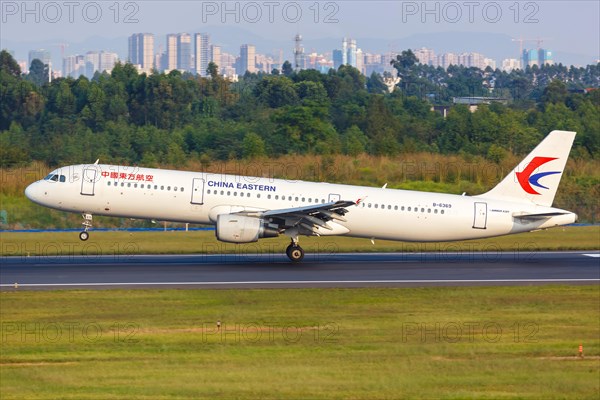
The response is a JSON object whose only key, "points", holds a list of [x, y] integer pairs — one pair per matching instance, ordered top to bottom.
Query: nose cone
{"points": [[33, 192]]}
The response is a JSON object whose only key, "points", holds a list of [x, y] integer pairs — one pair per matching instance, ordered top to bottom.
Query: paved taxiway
{"points": [[317, 270]]}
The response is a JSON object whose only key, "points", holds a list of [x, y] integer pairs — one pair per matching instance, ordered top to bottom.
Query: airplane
{"points": [[245, 209]]}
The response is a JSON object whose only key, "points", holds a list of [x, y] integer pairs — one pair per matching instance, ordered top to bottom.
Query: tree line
{"points": [[158, 118]]}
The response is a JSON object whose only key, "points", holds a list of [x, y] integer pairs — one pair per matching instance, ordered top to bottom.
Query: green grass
{"points": [[170, 242], [310, 343]]}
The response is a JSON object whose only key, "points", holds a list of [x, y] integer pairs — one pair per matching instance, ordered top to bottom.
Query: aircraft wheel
{"points": [[83, 236], [295, 253]]}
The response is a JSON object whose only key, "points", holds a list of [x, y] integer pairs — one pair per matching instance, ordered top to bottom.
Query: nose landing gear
{"points": [[87, 224]]}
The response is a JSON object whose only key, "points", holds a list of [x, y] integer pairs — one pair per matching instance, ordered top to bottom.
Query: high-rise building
{"points": [[141, 51], [344, 51], [184, 52], [201, 53], [351, 53], [43, 55], [215, 55], [425, 56], [545, 57], [338, 58], [530, 58], [247, 59], [447, 59], [107, 61], [360, 61], [92, 63], [171, 63], [510, 63], [74, 66]]}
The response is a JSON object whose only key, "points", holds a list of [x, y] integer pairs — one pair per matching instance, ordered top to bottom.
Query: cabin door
{"points": [[88, 182], [198, 191], [480, 219]]}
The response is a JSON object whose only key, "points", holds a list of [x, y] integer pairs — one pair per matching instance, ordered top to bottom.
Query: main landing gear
{"points": [[87, 224], [294, 251]]}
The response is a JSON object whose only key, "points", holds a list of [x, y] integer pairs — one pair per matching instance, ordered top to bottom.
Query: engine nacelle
{"points": [[241, 229]]}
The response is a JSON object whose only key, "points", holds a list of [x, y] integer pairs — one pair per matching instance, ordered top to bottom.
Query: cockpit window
{"points": [[56, 178]]}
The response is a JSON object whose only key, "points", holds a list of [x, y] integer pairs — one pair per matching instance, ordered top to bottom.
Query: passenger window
{"points": [[63, 178], [108, 183], [122, 184], [129, 184], [135, 185], [162, 187], [168, 187], [175, 188], [181, 189], [222, 192], [235, 194], [258, 196], [268, 196], [276, 197], [296, 198], [304, 200], [376, 205], [395, 207], [408, 208], [442, 211]]}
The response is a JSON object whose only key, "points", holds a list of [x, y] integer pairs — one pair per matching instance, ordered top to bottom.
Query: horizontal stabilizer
{"points": [[524, 215]]}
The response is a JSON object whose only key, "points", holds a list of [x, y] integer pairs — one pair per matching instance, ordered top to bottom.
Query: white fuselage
{"points": [[197, 197]]}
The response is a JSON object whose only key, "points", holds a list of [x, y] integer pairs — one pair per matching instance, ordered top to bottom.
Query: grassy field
{"points": [[170, 242], [463, 342]]}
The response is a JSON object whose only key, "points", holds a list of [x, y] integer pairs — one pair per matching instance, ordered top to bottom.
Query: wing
{"points": [[307, 219]]}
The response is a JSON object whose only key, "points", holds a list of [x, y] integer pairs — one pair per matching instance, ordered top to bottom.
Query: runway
{"points": [[317, 270]]}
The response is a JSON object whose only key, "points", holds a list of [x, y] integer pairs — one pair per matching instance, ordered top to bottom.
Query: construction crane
{"points": [[538, 41], [62, 46]]}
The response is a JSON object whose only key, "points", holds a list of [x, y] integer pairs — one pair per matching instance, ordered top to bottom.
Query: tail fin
{"points": [[548, 161]]}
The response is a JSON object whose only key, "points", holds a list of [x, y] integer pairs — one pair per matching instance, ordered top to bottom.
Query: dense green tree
{"points": [[9, 65], [287, 69], [38, 73]]}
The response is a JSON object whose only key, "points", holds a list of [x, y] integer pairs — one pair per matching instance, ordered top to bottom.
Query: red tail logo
{"points": [[526, 179]]}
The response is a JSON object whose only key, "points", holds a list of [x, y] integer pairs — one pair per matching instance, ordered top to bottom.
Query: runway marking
{"points": [[595, 255], [221, 283]]}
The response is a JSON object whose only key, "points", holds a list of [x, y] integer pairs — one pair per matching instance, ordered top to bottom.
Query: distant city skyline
{"points": [[569, 27], [147, 55]]}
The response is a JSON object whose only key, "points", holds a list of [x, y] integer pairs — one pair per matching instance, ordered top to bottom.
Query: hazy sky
{"points": [[572, 26]]}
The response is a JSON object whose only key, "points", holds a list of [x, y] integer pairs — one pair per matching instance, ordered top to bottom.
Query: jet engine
{"points": [[234, 228]]}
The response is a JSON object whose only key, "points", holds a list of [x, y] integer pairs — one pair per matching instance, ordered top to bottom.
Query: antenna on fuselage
{"points": [[96, 163]]}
